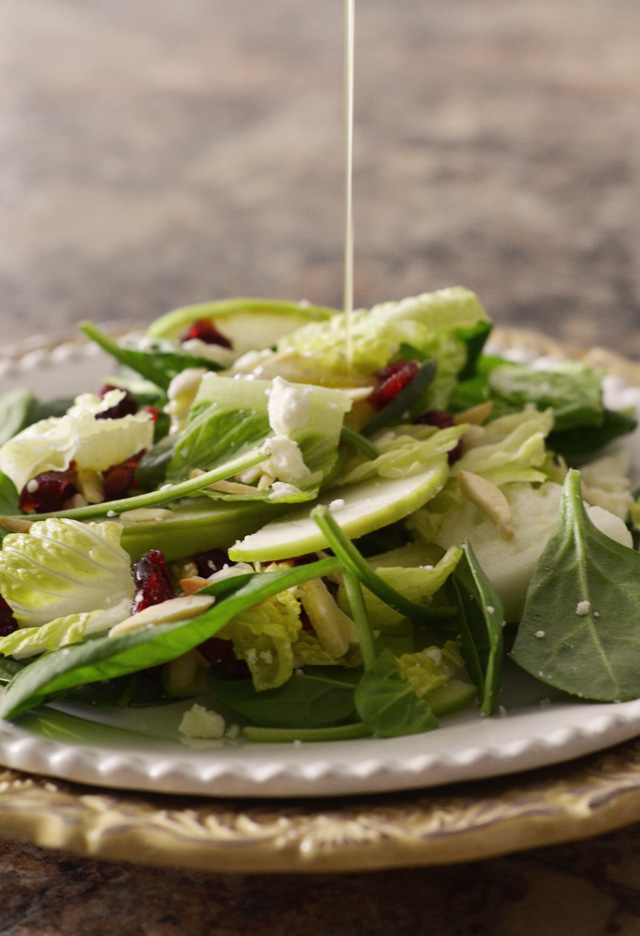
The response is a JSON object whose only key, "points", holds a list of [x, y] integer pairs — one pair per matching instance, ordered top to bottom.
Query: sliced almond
{"points": [[475, 415], [472, 436], [90, 485], [231, 487], [488, 498], [146, 515], [15, 524], [192, 584], [167, 612], [334, 629]]}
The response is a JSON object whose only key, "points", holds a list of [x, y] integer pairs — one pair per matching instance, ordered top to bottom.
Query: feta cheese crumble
{"points": [[288, 407], [583, 607], [199, 722]]}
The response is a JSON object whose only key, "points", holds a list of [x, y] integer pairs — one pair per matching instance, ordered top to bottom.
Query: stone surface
{"points": [[157, 154]]}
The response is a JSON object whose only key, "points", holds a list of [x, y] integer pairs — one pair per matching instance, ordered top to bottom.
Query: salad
{"points": [[315, 545]]}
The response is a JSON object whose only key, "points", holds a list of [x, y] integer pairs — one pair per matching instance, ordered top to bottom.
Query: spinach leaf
{"points": [[475, 338], [159, 363], [572, 391], [14, 413], [577, 443], [481, 622], [580, 628], [110, 657], [9, 668], [319, 696], [388, 704]]}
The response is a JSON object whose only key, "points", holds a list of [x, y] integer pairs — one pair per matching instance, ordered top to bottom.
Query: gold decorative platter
{"points": [[399, 826]]}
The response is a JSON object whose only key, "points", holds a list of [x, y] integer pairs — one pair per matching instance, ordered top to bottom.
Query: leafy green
{"points": [[432, 325], [159, 361], [571, 390], [233, 416], [584, 440], [96, 444], [511, 448], [358, 565], [61, 568], [416, 582], [481, 619], [580, 628], [62, 631], [264, 636], [111, 657], [313, 698], [388, 704]]}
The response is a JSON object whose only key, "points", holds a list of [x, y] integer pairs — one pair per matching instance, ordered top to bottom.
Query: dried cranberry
{"points": [[205, 330], [390, 380], [127, 406], [434, 417], [442, 420], [119, 479], [49, 491], [211, 561], [152, 579], [8, 623], [219, 654]]}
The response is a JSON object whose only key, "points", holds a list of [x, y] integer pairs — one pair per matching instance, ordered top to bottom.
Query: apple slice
{"points": [[357, 508]]}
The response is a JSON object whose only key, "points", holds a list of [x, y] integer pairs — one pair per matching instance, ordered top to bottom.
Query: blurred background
{"points": [[155, 154]]}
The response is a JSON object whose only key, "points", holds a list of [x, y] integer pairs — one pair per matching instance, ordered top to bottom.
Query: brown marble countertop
{"points": [[156, 154]]}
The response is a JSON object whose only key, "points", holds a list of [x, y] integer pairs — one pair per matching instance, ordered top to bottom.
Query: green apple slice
{"points": [[247, 323], [359, 509]]}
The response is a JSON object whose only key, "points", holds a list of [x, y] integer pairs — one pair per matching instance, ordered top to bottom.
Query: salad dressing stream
{"points": [[349, 22]]}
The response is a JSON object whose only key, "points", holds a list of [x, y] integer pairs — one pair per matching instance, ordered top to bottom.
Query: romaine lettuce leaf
{"points": [[431, 325], [230, 417], [97, 444], [511, 448], [403, 452], [62, 567], [416, 582], [71, 629], [263, 636], [431, 668]]}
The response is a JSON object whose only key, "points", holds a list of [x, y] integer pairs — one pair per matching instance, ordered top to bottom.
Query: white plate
{"points": [[141, 749]]}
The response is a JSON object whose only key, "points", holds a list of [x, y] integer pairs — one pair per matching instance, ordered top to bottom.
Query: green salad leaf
{"points": [[62, 567], [481, 620], [580, 628], [111, 657], [387, 702]]}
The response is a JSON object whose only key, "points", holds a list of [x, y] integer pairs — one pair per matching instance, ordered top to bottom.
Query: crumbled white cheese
{"points": [[288, 407], [286, 462], [280, 490], [336, 504], [583, 607], [539, 634], [435, 654], [199, 722]]}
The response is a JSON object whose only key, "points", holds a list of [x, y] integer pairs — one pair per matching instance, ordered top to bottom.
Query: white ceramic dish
{"points": [[141, 749]]}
